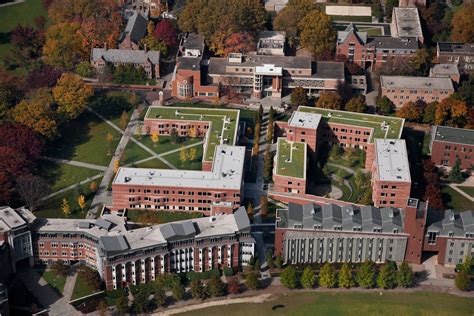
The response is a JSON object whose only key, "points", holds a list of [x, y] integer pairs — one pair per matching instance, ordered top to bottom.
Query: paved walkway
{"points": [[11, 3], [75, 163], [347, 169], [455, 188], [62, 307]]}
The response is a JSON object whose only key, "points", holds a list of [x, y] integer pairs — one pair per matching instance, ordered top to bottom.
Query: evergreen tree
{"points": [[456, 175], [269, 259], [279, 262], [257, 265], [405, 275], [327, 276], [288, 277], [365, 277], [307, 278], [386, 278], [346, 279], [251, 280], [462, 281], [216, 287], [178, 290], [197, 290], [122, 305]]}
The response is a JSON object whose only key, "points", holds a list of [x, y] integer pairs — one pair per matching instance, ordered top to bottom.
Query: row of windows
{"points": [[463, 149]]}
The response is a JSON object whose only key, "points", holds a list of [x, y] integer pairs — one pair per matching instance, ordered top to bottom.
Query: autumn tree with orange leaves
{"points": [[239, 43], [451, 112]]}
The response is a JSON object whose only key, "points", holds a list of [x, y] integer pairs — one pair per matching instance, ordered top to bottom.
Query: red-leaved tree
{"points": [[166, 32], [239, 43], [46, 76], [20, 138], [432, 188]]}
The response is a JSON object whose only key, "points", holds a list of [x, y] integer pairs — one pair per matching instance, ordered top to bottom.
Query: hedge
{"points": [[191, 275]]}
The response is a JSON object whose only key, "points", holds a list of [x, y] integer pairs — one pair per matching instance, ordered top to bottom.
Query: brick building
{"points": [[406, 24], [134, 31], [460, 54], [446, 71], [402, 89], [449, 143], [289, 167], [391, 180], [128, 257]]}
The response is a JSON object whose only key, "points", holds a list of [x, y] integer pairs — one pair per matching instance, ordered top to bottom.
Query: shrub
{"points": [[228, 271], [206, 275], [366, 275], [405, 275], [327, 276], [288, 277], [307, 278], [386, 278], [346, 279], [251, 280], [462, 281], [233, 286], [216, 287], [197, 290]]}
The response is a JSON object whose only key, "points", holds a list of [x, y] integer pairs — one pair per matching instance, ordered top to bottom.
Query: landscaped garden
{"points": [[291, 160], [349, 303]]}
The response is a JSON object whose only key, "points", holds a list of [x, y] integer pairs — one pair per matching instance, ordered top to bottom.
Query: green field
{"points": [[10, 16], [360, 119], [217, 128], [164, 143], [133, 153], [291, 159], [153, 163], [195, 164], [60, 176], [468, 190], [454, 200], [52, 207], [161, 217], [57, 282], [81, 289], [352, 303]]}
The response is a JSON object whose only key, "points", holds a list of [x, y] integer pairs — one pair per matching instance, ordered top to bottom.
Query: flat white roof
{"points": [[408, 22], [444, 69], [269, 70], [407, 82], [305, 119], [392, 160], [227, 172], [10, 219]]}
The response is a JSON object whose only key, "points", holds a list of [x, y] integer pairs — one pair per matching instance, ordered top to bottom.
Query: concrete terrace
{"points": [[223, 124], [392, 130], [291, 159]]}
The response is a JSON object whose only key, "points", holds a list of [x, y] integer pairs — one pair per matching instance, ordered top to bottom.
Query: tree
{"points": [[389, 5], [290, 16], [463, 25], [166, 32], [317, 34], [153, 43], [239, 43], [62, 48], [421, 62], [85, 69], [129, 74], [45, 76], [10, 91], [71, 95], [299, 96], [329, 100], [356, 104], [385, 105], [411, 112], [451, 112], [36, 113], [429, 113], [124, 120], [193, 133], [173, 136], [21, 138], [109, 138], [155, 138], [335, 152], [192, 154], [183, 155], [13, 162], [116, 165], [456, 174], [93, 186], [31, 189], [81, 201], [264, 206], [65, 208], [250, 210], [269, 259], [279, 262], [256, 265], [405, 275], [327, 276], [288, 277], [365, 277], [308, 278], [386, 278], [346, 279], [251, 280], [462, 281], [233, 286], [216, 287], [178, 290], [197, 290], [160, 296], [141, 301], [122, 305]]}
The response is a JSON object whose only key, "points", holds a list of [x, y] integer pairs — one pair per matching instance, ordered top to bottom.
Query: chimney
{"points": [[105, 46], [145, 48]]}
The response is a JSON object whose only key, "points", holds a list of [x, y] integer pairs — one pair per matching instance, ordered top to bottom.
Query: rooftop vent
{"points": [[127, 179]]}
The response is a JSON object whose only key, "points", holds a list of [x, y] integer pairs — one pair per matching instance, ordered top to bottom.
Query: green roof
{"points": [[214, 116], [395, 124], [291, 159]]}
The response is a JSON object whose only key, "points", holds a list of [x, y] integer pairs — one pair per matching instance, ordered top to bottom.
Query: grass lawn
{"points": [[10, 16], [360, 119], [218, 127], [84, 139], [164, 143], [133, 153], [291, 160], [153, 163], [195, 164], [60, 176], [468, 190], [455, 201], [52, 207], [161, 217], [56, 281], [81, 289], [365, 303]]}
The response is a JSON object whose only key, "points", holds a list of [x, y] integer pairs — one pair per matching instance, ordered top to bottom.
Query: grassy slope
{"points": [[10, 16], [455, 201], [365, 303]]}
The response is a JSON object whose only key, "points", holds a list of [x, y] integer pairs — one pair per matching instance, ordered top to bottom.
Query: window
{"points": [[432, 238]]}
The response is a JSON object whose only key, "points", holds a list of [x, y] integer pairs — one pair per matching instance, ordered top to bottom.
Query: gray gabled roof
{"points": [[136, 27], [351, 29], [125, 56], [241, 218], [451, 222], [102, 223], [178, 230], [113, 243]]}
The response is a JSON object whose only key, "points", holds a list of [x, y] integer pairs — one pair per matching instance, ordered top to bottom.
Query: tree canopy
{"points": [[317, 34]]}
